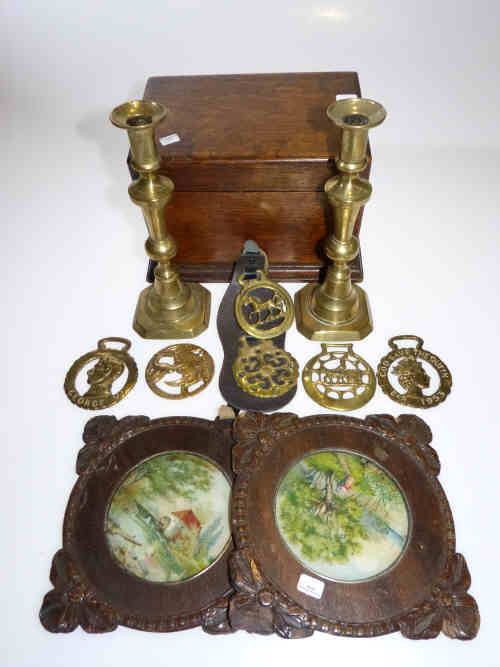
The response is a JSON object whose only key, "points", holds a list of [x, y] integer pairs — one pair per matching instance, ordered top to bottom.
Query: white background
{"points": [[74, 264]]}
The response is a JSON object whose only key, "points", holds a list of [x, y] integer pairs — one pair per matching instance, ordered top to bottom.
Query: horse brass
{"points": [[263, 309], [111, 363], [405, 364], [264, 370], [188, 372], [339, 379]]}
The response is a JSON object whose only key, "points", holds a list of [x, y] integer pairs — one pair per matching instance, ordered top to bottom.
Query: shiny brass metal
{"points": [[169, 308], [263, 309], [337, 310], [111, 362], [185, 368], [264, 370], [411, 374], [339, 379]]}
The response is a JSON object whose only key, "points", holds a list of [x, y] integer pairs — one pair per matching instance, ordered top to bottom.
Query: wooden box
{"points": [[253, 154]]}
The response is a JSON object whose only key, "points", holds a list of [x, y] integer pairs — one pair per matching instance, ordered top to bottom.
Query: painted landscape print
{"points": [[342, 516], [169, 519]]}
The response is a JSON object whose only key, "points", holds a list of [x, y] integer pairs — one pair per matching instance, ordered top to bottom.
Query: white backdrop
{"points": [[74, 263]]}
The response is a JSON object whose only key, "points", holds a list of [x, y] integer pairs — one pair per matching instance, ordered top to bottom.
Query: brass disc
{"points": [[263, 309], [111, 363], [191, 368], [264, 370], [411, 374], [339, 379]]}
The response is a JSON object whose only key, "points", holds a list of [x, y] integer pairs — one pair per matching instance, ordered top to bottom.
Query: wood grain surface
{"points": [[253, 156]]}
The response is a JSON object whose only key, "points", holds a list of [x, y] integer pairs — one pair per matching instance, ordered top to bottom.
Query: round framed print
{"points": [[341, 526], [146, 536]]}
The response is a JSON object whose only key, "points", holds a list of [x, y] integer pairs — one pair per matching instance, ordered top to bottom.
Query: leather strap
{"points": [[250, 261]]}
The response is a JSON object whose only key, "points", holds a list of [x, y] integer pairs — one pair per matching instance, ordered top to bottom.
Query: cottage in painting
{"points": [[183, 524]]}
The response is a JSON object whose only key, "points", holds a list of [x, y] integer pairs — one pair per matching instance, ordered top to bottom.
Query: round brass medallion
{"points": [[263, 309], [111, 363], [188, 368], [264, 370], [411, 374], [339, 379]]}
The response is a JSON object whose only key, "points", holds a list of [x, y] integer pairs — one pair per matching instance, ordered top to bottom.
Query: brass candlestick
{"points": [[168, 308], [337, 310]]}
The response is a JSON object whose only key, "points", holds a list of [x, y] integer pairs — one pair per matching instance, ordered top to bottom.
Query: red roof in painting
{"points": [[189, 519]]}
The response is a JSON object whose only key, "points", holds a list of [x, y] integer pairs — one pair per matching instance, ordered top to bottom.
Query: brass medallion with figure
{"points": [[263, 308], [110, 366], [179, 371], [424, 379]]}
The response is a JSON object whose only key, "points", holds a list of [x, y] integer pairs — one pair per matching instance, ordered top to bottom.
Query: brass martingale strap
{"points": [[339, 379]]}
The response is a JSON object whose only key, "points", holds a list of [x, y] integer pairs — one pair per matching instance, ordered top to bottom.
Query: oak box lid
{"points": [[250, 132]]}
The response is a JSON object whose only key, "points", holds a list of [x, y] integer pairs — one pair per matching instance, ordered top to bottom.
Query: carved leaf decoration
{"points": [[251, 426], [98, 428], [415, 432], [97, 433], [244, 573], [71, 604], [256, 608], [245, 610], [451, 610], [248, 614], [56, 615], [461, 618], [215, 620], [291, 622], [424, 623]]}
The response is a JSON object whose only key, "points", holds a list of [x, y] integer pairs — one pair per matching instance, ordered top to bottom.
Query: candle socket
{"points": [[169, 308], [337, 310]]}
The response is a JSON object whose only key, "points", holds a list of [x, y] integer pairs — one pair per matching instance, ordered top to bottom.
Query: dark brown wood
{"points": [[257, 117], [254, 154], [289, 226], [222, 272], [90, 588], [423, 594]]}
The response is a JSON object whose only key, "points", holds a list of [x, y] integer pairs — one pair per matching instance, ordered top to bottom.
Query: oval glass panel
{"points": [[342, 516], [169, 519]]}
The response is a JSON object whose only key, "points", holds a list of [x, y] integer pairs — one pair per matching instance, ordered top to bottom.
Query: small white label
{"points": [[348, 96], [169, 139], [311, 586]]}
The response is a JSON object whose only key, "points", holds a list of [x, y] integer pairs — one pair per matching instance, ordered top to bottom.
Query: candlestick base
{"points": [[154, 319], [315, 328]]}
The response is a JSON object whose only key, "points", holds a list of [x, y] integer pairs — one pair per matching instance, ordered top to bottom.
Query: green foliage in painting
{"points": [[168, 476], [330, 503], [148, 536]]}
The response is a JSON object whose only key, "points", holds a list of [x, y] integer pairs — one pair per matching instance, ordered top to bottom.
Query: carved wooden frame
{"points": [[90, 588], [423, 594]]}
